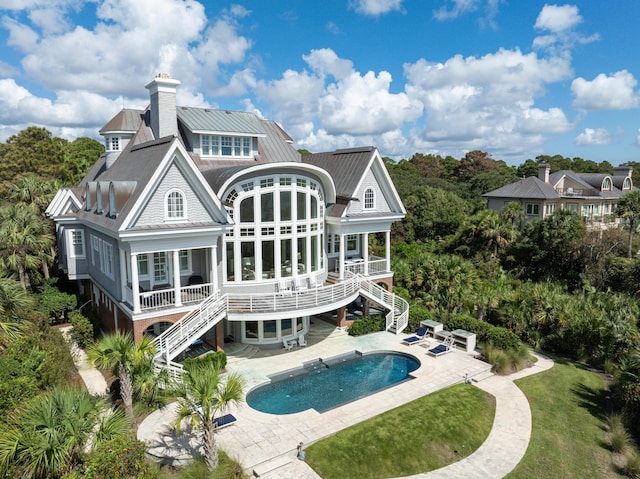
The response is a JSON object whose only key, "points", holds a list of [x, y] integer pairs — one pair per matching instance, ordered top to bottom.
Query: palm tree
{"points": [[32, 190], [629, 209], [513, 213], [26, 243], [14, 303], [119, 352], [202, 395], [51, 434]]}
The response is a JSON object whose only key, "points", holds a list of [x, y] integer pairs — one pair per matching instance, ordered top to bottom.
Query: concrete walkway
{"points": [[93, 379], [265, 444]]}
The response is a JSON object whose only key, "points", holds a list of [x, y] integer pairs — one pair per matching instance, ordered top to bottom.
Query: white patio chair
{"points": [[302, 342]]}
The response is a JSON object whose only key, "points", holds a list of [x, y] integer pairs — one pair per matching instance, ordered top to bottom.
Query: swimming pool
{"points": [[328, 383]]}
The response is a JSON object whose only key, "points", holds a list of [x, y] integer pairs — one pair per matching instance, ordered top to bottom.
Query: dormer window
{"points": [[113, 143], [229, 146], [606, 184], [627, 184], [369, 199], [175, 205]]}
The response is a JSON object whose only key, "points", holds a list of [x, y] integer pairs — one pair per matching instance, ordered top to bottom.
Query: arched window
{"points": [[606, 184], [627, 184], [369, 199], [176, 205]]}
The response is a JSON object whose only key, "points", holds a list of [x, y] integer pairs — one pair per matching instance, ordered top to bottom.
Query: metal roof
{"points": [[125, 120], [205, 120], [346, 166], [527, 188]]}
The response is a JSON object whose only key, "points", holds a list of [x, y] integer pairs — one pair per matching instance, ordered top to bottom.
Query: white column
{"points": [[387, 237], [365, 252], [341, 256], [213, 273], [123, 275], [176, 278], [135, 286]]}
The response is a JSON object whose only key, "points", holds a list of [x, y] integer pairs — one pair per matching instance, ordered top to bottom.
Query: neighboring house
{"points": [[593, 196], [200, 223]]}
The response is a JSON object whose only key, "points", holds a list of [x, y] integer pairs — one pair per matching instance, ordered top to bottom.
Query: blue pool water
{"points": [[327, 383]]}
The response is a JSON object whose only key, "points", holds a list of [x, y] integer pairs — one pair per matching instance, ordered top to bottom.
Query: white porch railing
{"points": [[375, 265], [180, 335]]}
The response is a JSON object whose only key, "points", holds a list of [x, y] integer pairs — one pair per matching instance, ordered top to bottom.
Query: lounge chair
{"points": [[420, 336], [301, 341], [288, 344], [443, 348], [224, 421]]}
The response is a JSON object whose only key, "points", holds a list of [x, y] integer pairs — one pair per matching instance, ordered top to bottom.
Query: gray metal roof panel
{"points": [[125, 120], [224, 121], [346, 166], [527, 188]]}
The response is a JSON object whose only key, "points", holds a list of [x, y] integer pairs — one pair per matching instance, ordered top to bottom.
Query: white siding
{"points": [[381, 204], [154, 212]]}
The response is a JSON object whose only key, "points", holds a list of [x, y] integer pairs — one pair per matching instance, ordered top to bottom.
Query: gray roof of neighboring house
{"points": [[346, 166], [528, 188]]}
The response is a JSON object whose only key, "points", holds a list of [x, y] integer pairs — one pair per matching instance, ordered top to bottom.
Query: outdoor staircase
{"points": [[212, 310]]}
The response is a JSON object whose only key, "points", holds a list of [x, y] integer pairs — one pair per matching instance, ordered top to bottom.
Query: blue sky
{"points": [[514, 78]]}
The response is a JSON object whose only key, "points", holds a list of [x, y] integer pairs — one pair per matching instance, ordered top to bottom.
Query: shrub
{"points": [[55, 304], [417, 314], [368, 324], [82, 332], [500, 337], [216, 360], [506, 361], [619, 438], [120, 458], [632, 464]]}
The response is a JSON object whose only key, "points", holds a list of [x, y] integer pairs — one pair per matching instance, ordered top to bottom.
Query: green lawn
{"points": [[423, 435], [568, 438]]}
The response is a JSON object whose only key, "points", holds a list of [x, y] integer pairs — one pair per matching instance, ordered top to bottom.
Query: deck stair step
{"points": [[482, 376], [265, 468]]}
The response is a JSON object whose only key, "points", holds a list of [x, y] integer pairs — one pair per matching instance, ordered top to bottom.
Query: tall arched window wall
{"points": [[279, 229]]}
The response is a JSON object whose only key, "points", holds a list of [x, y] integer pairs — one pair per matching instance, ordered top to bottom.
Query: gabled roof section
{"points": [[205, 120], [125, 121], [346, 166], [554, 178], [527, 188], [65, 201]]}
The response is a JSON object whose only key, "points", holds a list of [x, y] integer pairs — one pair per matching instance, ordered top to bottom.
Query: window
{"points": [[113, 143], [233, 146], [606, 184], [627, 184], [369, 199], [175, 205], [573, 207], [532, 209], [549, 209], [590, 210], [352, 242], [77, 243], [95, 249], [184, 257], [106, 258], [143, 265], [160, 267]]}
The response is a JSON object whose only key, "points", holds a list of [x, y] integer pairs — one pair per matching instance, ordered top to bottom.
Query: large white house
{"points": [[207, 224]]}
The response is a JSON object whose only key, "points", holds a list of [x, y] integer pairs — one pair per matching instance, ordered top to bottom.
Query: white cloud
{"points": [[375, 8], [458, 8], [558, 18], [559, 23], [326, 62], [615, 92], [486, 102], [591, 136]]}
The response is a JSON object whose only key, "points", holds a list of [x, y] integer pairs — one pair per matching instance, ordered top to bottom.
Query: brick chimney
{"points": [[162, 90], [543, 172]]}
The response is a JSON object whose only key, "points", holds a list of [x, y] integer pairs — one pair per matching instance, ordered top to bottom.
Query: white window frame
{"points": [[114, 143], [227, 146], [369, 199], [549, 208], [532, 209], [171, 212], [73, 236], [185, 255], [106, 258], [160, 267]]}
